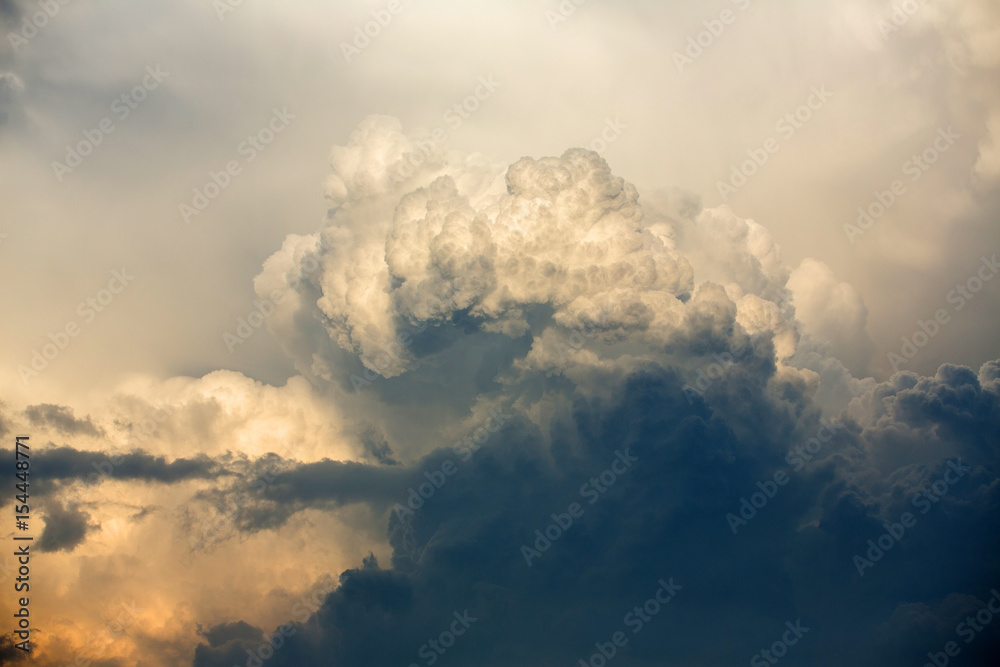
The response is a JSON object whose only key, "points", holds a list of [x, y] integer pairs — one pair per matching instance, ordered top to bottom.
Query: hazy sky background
{"points": [[160, 342]]}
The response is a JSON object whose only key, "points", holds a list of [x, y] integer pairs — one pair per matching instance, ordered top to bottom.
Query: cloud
{"points": [[9, 8], [10, 88], [988, 164], [566, 236], [442, 284], [607, 309], [832, 312], [60, 418], [378, 447], [66, 464], [665, 517], [65, 528], [227, 632], [9, 653]]}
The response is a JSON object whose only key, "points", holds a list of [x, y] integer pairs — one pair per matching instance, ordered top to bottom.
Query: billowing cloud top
{"points": [[418, 238]]}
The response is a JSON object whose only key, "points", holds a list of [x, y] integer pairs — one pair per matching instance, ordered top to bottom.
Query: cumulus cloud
{"points": [[566, 236], [566, 246], [442, 286], [610, 307], [832, 312]]}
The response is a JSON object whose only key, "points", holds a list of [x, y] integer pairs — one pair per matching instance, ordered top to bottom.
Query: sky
{"points": [[496, 333]]}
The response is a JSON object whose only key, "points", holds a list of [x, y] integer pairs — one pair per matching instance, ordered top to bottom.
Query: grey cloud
{"points": [[10, 88], [60, 418], [378, 447], [66, 464], [666, 518], [65, 528], [227, 632], [8, 652]]}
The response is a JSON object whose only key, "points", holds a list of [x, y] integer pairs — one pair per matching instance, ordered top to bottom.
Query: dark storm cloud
{"points": [[60, 418], [66, 464], [339, 482], [268, 491], [666, 517], [65, 528], [227, 632], [8, 653]]}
